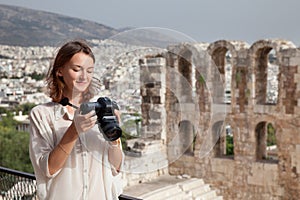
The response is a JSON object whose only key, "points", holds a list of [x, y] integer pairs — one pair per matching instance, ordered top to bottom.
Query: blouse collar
{"points": [[60, 111]]}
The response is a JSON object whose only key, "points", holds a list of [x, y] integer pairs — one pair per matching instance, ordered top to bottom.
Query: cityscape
{"points": [[23, 71]]}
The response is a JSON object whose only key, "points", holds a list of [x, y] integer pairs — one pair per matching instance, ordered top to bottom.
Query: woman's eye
{"points": [[76, 70]]}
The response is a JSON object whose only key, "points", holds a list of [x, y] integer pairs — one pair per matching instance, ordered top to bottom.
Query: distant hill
{"points": [[26, 27]]}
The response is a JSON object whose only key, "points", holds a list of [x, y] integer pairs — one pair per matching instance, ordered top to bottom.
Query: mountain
{"points": [[26, 27]]}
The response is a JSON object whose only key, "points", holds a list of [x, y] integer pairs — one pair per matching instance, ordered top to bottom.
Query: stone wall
{"points": [[152, 88], [198, 116], [147, 157]]}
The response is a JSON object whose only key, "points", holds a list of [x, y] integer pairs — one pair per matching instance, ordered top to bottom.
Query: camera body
{"points": [[106, 120]]}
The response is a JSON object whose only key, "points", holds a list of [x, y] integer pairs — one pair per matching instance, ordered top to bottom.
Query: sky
{"points": [[201, 20]]}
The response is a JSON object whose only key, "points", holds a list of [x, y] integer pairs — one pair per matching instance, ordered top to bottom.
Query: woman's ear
{"points": [[59, 73]]}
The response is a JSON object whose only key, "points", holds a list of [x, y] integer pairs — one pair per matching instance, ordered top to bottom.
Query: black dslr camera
{"points": [[107, 121]]}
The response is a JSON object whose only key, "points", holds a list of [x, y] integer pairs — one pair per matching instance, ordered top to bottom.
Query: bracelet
{"points": [[115, 145], [62, 148]]}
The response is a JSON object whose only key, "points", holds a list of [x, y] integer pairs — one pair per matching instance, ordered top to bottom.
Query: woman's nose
{"points": [[83, 75]]}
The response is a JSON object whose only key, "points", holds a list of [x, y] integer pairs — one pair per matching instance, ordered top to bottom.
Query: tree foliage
{"points": [[37, 76], [25, 108], [271, 139], [229, 145], [14, 152]]}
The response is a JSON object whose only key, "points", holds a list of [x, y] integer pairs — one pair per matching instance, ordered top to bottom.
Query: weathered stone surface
{"points": [[251, 173]]}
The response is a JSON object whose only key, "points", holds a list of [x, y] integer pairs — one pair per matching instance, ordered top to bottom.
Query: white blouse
{"points": [[87, 173]]}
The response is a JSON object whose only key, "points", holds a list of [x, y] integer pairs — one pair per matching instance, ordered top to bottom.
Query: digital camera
{"points": [[106, 119]]}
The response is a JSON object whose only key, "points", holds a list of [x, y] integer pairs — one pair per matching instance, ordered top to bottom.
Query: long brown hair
{"points": [[55, 84]]}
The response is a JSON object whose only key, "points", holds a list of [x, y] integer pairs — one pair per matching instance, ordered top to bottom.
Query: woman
{"points": [[71, 159]]}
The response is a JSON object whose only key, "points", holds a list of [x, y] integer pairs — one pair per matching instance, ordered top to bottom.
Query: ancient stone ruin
{"points": [[229, 113]]}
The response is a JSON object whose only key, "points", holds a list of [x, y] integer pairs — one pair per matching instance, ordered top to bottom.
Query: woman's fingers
{"points": [[85, 122]]}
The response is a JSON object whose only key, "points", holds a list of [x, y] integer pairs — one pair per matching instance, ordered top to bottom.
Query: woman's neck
{"points": [[74, 99]]}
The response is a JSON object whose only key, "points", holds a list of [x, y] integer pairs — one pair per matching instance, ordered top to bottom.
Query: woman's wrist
{"points": [[73, 130], [115, 143], [63, 149]]}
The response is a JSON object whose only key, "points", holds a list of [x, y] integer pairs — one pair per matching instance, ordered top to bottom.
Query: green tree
{"points": [[37, 76], [25, 108], [3, 110], [8, 121], [271, 139], [229, 145], [14, 152]]}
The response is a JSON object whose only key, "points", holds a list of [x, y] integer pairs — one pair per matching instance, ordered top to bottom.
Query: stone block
{"points": [[155, 61], [294, 61], [155, 69], [156, 77], [146, 78], [297, 78], [143, 91], [153, 91], [146, 99], [156, 99], [297, 108], [155, 115], [154, 128], [296, 159], [223, 166], [263, 174]]}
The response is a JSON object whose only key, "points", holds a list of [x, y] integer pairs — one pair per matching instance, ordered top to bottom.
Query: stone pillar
{"points": [[152, 80], [290, 81]]}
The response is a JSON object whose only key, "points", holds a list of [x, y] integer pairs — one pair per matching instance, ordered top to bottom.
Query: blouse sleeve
{"points": [[41, 140]]}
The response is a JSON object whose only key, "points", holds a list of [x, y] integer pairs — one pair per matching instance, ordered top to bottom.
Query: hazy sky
{"points": [[202, 20]]}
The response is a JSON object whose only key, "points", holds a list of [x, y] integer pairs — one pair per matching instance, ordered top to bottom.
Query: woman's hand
{"points": [[118, 115], [84, 122], [61, 152]]}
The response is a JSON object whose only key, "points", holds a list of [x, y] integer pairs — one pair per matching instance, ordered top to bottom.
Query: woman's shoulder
{"points": [[45, 107]]}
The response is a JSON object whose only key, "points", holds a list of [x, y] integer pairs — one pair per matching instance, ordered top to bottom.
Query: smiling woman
{"points": [[66, 70], [77, 74], [59, 134]]}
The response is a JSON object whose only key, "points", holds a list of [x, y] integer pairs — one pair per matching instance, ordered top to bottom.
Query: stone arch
{"points": [[195, 49], [217, 50], [224, 53], [181, 58], [259, 58], [199, 60], [185, 69], [219, 131], [187, 136], [218, 136], [266, 149]]}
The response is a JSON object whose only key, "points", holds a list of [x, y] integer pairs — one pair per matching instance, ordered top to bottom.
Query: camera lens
{"points": [[87, 107], [111, 130]]}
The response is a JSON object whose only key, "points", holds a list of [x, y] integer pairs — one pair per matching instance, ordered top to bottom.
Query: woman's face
{"points": [[77, 73]]}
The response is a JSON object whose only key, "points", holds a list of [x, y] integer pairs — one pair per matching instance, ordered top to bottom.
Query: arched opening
{"points": [[222, 58], [185, 69], [266, 73], [228, 76], [272, 79], [223, 134], [187, 136], [229, 141], [266, 144], [272, 152]]}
